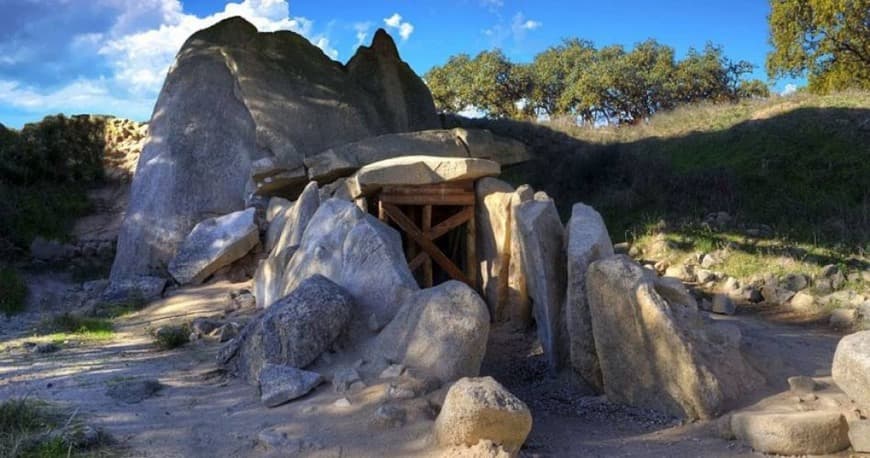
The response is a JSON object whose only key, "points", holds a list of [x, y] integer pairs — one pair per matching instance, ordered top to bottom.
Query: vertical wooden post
{"points": [[382, 215], [471, 250], [428, 279]]}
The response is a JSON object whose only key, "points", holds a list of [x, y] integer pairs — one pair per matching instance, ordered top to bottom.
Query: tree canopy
{"points": [[827, 40], [577, 79]]}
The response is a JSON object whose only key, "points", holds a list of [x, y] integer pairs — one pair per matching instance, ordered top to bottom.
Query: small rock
{"points": [[621, 248], [709, 260], [829, 271], [681, 272], [704, 275], [795, 282], [730, 284], [775, 295], [243, 299], [803, 302], [723, 305], [843, 318], [204, 326], [228, 331], [44, 348], [395, 370], [344, 378], [280, 384], [801, 384], [400, 392], [342, 403], [478, 409], [389, 416], [793, 433], [859, 435]]}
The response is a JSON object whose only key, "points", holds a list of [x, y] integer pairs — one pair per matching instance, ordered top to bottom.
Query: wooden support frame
{"points": [[421, 250]]}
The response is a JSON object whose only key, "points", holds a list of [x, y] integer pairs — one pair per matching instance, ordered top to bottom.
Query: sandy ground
{"points": [[203, 412]]}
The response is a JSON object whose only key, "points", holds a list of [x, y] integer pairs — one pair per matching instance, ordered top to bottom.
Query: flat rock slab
{"points": [[417, 170], [212, 244], [851, 368], [280, 384], [133, 391], [792, 433]]}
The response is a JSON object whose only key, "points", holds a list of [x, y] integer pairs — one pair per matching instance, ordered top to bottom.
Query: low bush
{"points": [[14, 291]]}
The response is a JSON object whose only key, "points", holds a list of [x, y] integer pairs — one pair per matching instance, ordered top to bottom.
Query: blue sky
{"points": [[110, 56]]}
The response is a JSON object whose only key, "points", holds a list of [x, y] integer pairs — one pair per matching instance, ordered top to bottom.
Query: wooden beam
{"points": [[462, 199], [451, 223], [414, 232], [471, 250], [419, 260], [428, 275]]}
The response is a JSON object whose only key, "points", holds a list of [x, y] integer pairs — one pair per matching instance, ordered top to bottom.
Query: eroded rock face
{"points": [[235, 96], [588, 241], [542, 242], [212, 244], [356, 251], [294, 331], [440, 332], [656, 351], [851, 368], [478, 409]]}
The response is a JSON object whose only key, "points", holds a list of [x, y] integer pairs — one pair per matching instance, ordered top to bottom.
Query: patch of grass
{"points": [[14, 291], [69, 326], [171, 336], [36, 429]]}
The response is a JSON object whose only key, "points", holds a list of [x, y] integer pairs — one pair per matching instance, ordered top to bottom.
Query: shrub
{"points": [[14, 291], [171, 336]]}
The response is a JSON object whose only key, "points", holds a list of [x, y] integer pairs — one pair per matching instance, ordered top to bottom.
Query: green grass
{"points": [[14, 291], [69, 326], [171, 336], [30, 429]]}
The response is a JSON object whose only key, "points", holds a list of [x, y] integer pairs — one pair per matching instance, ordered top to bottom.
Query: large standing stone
{"points": [[235, 96], [417, 170], [493, 213], [542, 241], [588, 241], [212, 244], [359, 253], [269, 277], [518, 303], [295, 330], [440, 332], [659, 354], [851, 368], [280, 384], [478, 409], [792, 433]]}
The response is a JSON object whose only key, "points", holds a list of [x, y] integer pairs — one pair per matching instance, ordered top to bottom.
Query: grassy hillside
{"points": [[799, 164]]}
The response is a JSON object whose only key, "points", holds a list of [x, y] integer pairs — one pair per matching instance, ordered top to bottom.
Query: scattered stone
{"points": [[588, 241], [542, 242], [212, 244], [621, 248], [709, 260], [829, 271], [681, 272], [705, 276], [795, 282], [730, 285], [141, 288], [775, 295], [243, 299], [803, 302], [723, 305], [843, 318], [204, 326], [295, 330], [440, 331], [643, 331], [227, 332], [44, 348], [851, 368], [394, 370], [344, 378], [280, 384], [802, 384], [133, 391], [400, 392], [342, 403], [478, 409], [389, 416], [792, 433], [859, 435]]}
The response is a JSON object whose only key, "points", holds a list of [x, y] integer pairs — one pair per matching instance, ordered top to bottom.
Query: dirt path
{"points": [[201, 412]]}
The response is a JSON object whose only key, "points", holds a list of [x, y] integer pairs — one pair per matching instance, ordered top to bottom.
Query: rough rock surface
{"points": [[234, 96], [345, 159], [417, 170], [494, 222], [290, 225], [542, 241], [588, 241], [214, 243], [356, 251], [134, 288], [518, 303], [294, 331], [440, 332], [656, 351], [851, 368], [280, 384], [477, 409], [792, 433], [859, 435]]}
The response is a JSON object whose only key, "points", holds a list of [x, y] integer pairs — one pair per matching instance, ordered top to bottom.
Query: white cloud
{"points": [[492, 4], [520, 25], [405, 28], [516, 31], [362, 32], [139, 48], [790, 89]]}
